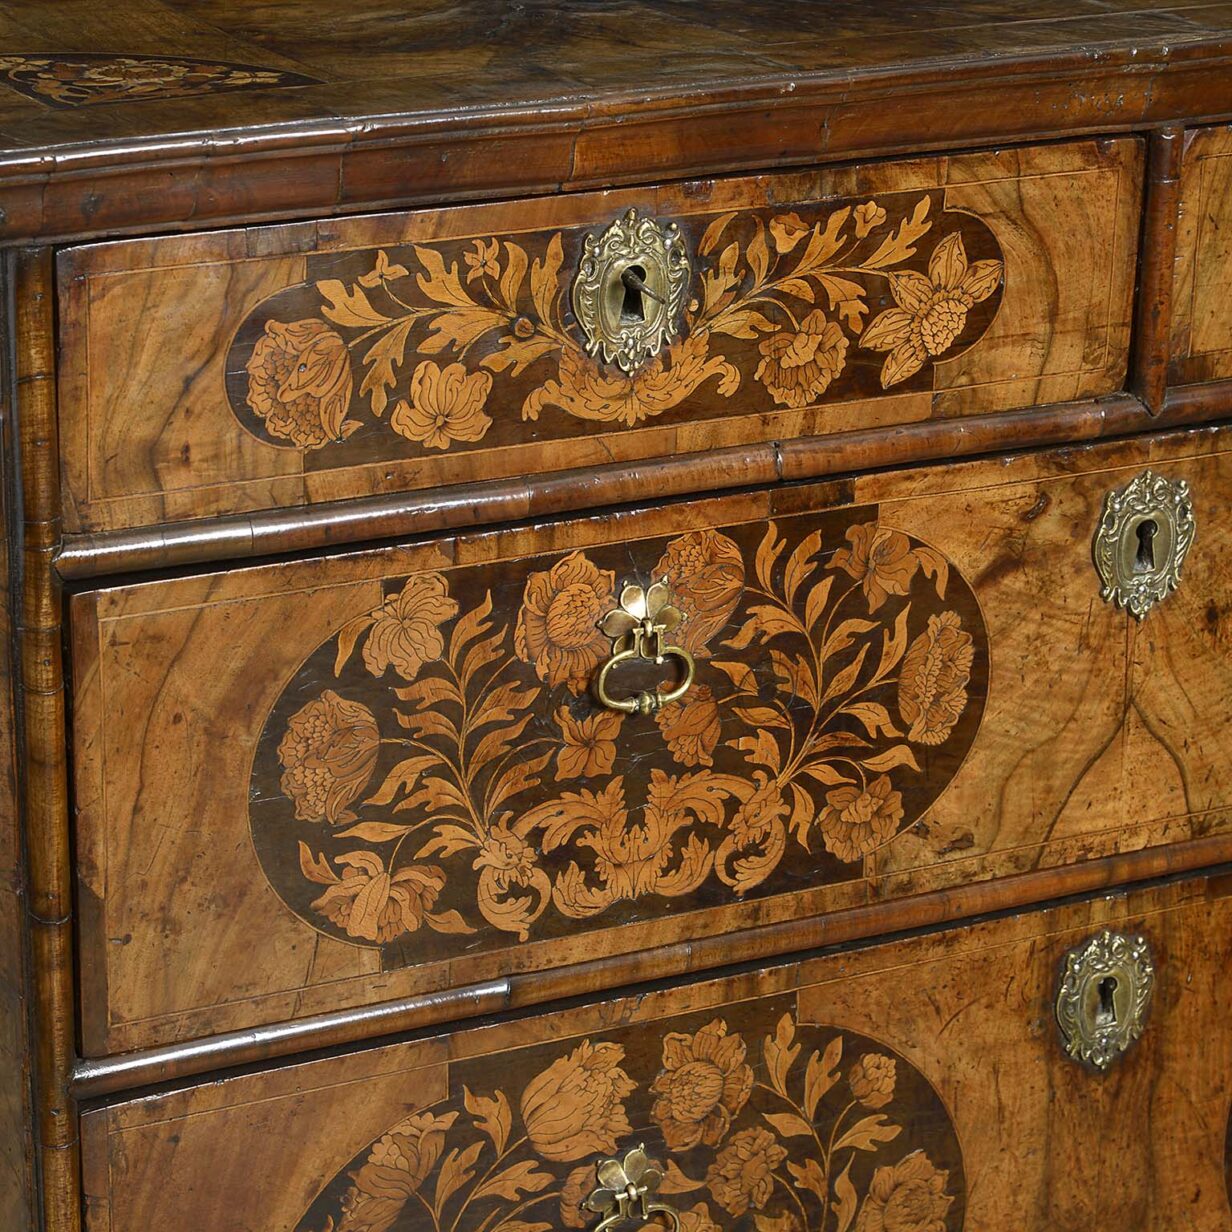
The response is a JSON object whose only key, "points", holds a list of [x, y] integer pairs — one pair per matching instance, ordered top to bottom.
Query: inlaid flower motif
{"points": [[139, 76], [77, 80], [868, 217], [786, 232], [481, 261], [383, 270], [931, 311], [797, 365], [300, 383], [603, 394], [446, 406], [880, 560], [704, 572], [558, 625], [406, 628], [932, 685], [691, 727], [590, 743], [328, 754], [762, 810], [856, 822], [512, 890], [373, 904], [872, 1079], [703, 1085], [575, 1107], [396, 1167], [742, 1175], [578, 1186], [908, 1197], [698, 1219]]}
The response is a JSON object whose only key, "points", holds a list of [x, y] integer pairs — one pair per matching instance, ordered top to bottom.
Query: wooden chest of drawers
{"points": [[616, 615]]}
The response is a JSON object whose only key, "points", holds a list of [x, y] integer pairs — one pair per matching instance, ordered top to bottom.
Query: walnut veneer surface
{"points": [[337, 892]]}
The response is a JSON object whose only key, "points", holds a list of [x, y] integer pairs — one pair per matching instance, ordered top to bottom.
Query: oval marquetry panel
{"points": [[415, 349], [318, 361], [438, 773], [761, 1123]]}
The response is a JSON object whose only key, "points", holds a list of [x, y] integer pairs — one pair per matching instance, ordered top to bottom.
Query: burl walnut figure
{"points": [[616, 616]]}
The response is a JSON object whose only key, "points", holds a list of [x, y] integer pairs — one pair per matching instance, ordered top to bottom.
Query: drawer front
{"points": [[1202, 316], [281, 366], [326, 783], [915, 1087]]}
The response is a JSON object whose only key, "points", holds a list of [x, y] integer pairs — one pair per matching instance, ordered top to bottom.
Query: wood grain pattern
{"points": [[429, 103], [1202, 321], [439, 349], [1152, 349], [333, 524], [170, 879], [49, 902], [948, 1048], [17, 1164]]}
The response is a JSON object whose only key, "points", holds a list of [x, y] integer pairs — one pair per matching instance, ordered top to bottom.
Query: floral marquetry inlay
{"points": [[81, 80], [441, 346], [441, 765], [761, 1122]]}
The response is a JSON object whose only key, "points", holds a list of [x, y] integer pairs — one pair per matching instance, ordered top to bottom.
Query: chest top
{"points": [[143, 114]]}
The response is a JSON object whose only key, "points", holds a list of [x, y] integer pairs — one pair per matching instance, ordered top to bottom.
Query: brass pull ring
{"points": [[637, 629], [627, 1190]]}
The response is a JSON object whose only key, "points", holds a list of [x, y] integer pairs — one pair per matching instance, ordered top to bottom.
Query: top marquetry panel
{"points": [[73, 72], [143, 114], [276, 368]]}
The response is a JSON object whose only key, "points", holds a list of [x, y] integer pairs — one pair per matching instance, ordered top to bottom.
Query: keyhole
{"points": [[632, 311], [1144, 562], [1106, 1012]]}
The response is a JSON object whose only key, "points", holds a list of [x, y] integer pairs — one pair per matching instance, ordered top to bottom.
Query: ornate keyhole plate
{"points": [[630, 289], [1143, 538], [1103, 997]]}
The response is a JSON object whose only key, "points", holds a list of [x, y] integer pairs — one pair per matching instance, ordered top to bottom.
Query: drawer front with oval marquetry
{"points": [[283, 366], [393, 770], [922, 1086]]}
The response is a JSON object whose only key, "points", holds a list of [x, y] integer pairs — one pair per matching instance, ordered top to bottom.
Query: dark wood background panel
{"points": [[200, 332], [407, 777], [168, 866], [966, 1017]]}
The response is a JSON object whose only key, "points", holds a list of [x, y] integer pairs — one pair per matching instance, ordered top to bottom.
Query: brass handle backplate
{"points": [[630, 288], [1146, 530], [638, 629], [1103, 997], [628, 1190]]}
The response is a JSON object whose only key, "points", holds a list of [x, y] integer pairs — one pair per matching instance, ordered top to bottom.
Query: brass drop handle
{"points": [[638, 629], [628, 1190]]}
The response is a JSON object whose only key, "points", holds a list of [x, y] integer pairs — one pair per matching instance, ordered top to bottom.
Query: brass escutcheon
{"points": [[630, 288], [1146, 531], [638, 628], [1103, 997], [628, 1190]]}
